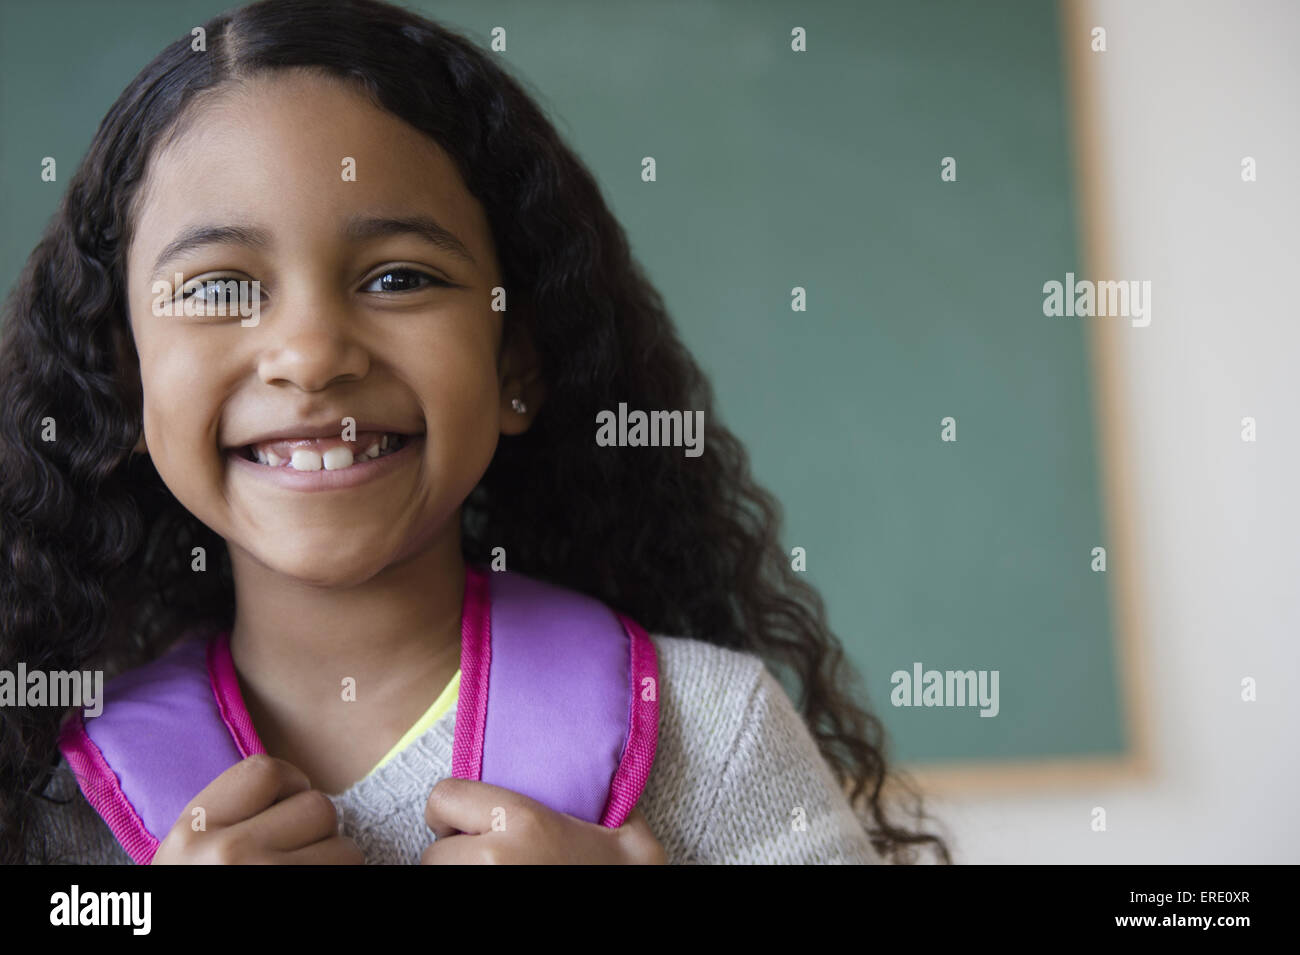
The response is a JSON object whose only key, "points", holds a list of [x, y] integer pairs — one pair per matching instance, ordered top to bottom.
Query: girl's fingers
{"points": [[246, 789], [469, 806], [301, 820], [639, 839], [337, 850], [449, 850]]}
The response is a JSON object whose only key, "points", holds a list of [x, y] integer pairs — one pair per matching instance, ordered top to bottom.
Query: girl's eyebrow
{"points": [[422, 226], [356, 228], [198, 236]]}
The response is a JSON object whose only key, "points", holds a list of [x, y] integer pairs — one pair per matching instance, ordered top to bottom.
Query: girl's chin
{"points": [[323, 567]]}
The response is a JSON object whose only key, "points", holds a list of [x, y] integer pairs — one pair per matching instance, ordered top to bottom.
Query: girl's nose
{"points": [[310, 343]]}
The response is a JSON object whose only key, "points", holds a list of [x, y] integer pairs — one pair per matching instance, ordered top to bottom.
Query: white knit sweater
{"points": [[737, 778]]}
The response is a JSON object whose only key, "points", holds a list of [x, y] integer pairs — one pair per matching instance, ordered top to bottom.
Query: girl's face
{"points": [[320, 197]]}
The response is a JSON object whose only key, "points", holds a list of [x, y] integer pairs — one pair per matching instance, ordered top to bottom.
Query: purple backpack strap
{"points": [[574, 717], [573, 720], [166, 730]]}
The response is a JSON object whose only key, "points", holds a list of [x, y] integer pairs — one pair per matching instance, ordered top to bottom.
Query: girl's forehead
{"points": [[288, 127], [300, 154]]}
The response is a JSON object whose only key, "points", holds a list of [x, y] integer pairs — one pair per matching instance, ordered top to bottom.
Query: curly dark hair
{"points": [[96, 549]]}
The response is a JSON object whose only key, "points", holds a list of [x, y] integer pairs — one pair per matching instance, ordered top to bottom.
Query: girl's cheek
{"points": [[463, 377]]}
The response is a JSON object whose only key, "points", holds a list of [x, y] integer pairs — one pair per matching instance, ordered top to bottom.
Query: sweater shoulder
{"points": [[697, 670], [704, 693], [737, 776]]}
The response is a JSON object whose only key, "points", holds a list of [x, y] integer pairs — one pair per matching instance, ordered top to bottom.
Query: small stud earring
{"points": [[518, 405]]}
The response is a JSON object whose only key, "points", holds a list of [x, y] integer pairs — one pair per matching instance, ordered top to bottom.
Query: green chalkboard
{"points": [[821, 170]]}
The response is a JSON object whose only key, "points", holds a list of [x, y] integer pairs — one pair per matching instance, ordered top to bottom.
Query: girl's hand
{"points": [[260, 810], [478, 823]]}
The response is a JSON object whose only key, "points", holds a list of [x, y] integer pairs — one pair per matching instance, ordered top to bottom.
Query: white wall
{"points": [[1186, 89]]}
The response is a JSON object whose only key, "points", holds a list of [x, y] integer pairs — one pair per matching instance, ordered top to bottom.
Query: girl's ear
{"points": [[522, 387]]}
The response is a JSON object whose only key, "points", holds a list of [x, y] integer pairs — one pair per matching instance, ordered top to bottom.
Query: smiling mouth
{"points": [[309, 456]]}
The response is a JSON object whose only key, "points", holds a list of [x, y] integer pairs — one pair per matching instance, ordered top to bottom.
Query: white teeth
{"points": [[304, 459], [336, 459]]}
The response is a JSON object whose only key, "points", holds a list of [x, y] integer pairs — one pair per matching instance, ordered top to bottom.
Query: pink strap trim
{"points": [[475, 663], [230, 702], [642, 731], [103, 790]]}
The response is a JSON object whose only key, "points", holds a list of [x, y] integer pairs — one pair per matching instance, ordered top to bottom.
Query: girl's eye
{"points": [[403, 280], [214, 292]]}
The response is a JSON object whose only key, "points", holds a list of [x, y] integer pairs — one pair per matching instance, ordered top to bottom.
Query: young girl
{"points": [[426, 259]]}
